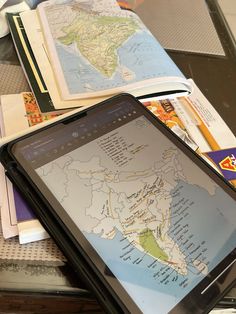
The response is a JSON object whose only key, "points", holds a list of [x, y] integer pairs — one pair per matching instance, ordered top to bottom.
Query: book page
{"points": [[2, 3], [34, 33], [96, 52], [195, 115], [206, 122], [200, 126], [7, 206]]}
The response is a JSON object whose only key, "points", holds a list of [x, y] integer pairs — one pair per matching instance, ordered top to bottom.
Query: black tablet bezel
{"points": [[38, 197]]}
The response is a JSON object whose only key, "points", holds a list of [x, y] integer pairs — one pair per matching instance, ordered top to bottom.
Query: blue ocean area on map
{"points": [[138, 54], [202, 220]]}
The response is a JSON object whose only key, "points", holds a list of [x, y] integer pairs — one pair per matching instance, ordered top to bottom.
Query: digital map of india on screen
{"points": [[158, 221]]}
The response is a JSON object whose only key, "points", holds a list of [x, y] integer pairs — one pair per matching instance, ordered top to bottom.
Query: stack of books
{"points": [[78, 53]]}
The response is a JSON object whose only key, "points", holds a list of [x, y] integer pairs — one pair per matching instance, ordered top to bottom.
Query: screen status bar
{"points": [[56, 143]]}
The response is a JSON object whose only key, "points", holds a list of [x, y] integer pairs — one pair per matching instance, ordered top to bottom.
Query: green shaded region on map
{"points": [[98, 38], [149, 244]]}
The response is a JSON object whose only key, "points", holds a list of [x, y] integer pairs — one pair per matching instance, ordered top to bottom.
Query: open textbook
{"points": [[98, 49], [89, 50]]}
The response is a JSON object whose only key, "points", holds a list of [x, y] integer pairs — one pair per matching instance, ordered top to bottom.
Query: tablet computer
{"points": [[148, 223]]}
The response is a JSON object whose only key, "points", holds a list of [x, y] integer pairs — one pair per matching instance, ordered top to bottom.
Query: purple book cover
{"points": [[225, 160], [23, 211]]}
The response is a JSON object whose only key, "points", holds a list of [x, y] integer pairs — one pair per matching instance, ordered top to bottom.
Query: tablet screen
{"points": [[158, 221]]}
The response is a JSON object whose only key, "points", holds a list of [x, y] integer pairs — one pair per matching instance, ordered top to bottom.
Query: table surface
{"points": [[215, 76], [29, 287]]}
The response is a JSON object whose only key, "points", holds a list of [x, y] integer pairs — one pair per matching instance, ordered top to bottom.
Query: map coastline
{"points": [[120, 52]]}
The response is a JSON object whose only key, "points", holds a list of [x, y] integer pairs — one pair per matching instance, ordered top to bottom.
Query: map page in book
{"points": [[98, 49]]}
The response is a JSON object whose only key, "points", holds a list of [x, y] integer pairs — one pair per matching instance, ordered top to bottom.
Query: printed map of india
{"points": [[98, 37], [95, 46]]}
